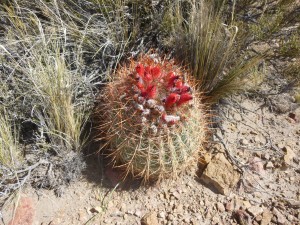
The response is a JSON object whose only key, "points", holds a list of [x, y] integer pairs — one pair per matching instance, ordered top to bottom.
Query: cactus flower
{"points": [[140, 69], [184, 98], [171, 100]]}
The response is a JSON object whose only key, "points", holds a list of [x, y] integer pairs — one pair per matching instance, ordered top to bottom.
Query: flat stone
{"points": [[289, 155], [256, 165], [269, 165], [220, 174], [229, 206], [220, 207], [255, 210], [25, 213], [149, 219], [281, 220]]}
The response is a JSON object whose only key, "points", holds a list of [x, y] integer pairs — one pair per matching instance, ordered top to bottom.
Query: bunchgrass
{"points": [[208, 48], [57, 57], [9, 147]]}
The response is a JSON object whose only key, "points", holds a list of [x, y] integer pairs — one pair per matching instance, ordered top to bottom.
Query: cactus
{"points": [[150, 120]]}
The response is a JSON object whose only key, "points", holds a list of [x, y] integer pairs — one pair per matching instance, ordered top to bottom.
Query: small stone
{"points": [[244, 142], [289, 155], [266, 156], [256, 165], [269, 165], [220, 174], [176, 194], [246, 204], [229, 206], [220, 207], [255, 210], [25, 212], [138, 213], [161, 215], [170, 217], [258, 218], [291, 218], [149, 219], [281, 220]]}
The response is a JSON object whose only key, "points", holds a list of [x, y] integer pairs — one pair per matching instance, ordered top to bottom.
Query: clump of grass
{"points": [[274, 16], [208, 48], [290, 48], [56, 56], [292, 71], [9, 147]]}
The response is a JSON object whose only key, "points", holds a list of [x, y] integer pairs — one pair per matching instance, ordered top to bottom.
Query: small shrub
{"points": [[151, 121]]}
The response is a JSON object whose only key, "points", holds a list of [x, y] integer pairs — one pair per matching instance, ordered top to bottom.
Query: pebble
{"points": [[244, 142], [266, 156], [269, 165], [229, 206], [220, 207], [255, 210], [138, 213], [161, 215], [266, 217], [280, 218], [149, 219]]}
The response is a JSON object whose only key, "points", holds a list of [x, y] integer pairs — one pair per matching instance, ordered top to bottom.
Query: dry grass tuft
{"points": [[209, 48]]}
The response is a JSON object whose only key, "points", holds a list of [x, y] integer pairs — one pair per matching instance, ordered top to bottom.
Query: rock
{"points": [[261, 47], [282, 103], [244, 142], [289, 155], [266, 156], [256, 165], [269, 165], [220, 174], [246, 204], [293, 204], [229, 206], [220, 207], [97, 209], [255, 210], [25, 213], [138, 213], [161, 215], [242, 217], [258, 218], [149, 219], [281, 220]]}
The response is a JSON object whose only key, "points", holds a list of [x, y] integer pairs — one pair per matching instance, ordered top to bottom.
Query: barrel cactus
{"points": [[150, 120]]}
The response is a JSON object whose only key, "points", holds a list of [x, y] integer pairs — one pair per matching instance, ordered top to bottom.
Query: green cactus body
{"points": [[152, 124]]}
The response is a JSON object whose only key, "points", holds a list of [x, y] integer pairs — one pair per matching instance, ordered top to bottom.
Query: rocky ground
{"points": [[249, 174]]}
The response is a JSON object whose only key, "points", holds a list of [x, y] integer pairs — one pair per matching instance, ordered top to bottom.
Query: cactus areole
{"points": [[150, 118]]}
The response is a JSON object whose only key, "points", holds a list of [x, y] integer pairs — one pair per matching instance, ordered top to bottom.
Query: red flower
{"points": [[140, 69], [155, 71], [148, 77], [172, 81], [178, 83], [140, 86], [185, 89], [150, 92], [184, 98], [171, 100]]}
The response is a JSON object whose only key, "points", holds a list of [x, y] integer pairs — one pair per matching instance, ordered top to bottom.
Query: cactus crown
{"points": [[159, 94]]}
